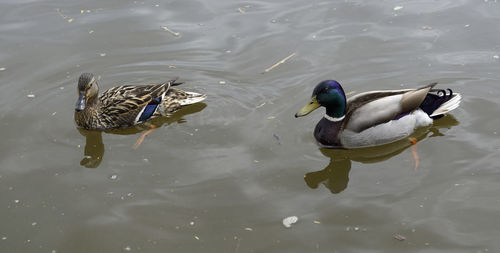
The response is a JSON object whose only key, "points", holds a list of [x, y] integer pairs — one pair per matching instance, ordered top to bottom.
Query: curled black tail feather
{"points": [[434, 101]]}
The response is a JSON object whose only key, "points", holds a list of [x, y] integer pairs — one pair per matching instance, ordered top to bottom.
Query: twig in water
{"points": [[63, 16], [176, 34], [279, 63]]}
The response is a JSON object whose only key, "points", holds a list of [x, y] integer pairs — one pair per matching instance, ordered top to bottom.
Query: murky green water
{"points": [[221, 176]]}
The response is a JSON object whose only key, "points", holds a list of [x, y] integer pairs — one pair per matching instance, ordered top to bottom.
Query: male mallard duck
{"points": [[127, 105], [376, 117]]}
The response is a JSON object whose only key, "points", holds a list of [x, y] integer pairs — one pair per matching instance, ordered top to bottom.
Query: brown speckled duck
{"points": [[127, 105]]}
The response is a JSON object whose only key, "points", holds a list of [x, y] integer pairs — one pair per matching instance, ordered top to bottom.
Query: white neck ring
{"points": [[334, 119]]}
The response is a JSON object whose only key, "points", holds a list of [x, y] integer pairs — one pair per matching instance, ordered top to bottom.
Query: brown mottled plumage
{"points": [[125, 105]]}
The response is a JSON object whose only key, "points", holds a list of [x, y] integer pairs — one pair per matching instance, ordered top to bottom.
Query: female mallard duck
{"points": [[127, 105], [376, 117]]}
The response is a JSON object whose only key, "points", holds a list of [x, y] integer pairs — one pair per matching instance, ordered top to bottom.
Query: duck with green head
{"points": [[375, 117]]}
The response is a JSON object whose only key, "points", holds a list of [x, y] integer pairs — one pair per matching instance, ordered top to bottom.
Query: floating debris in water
{"points": [[397, 8], [241, 10], [64, 16], [467, 25], [426, 27], [165, 28], [91, 31], [102, 54], [496, 57], [279, 63], [2, 69], [222, 82], [31, 95], [259, 106], [271, 117], [277, 138], [113, 177], [17, 201], [288, 221], [316, 222], [34, 223], [249, 229], [196, 237], [399, 237], [4, 238], [127, 248]]}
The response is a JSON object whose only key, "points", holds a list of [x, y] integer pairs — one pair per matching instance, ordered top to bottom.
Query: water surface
{"points": [[221, 176]]}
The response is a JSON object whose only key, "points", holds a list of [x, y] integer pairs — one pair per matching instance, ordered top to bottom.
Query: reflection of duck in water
{"points": [[125, 106], [376, 117], [94, 147], [335, 176]]}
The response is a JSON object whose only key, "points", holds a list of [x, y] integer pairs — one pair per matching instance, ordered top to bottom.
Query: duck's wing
{"points": [[123, 105], [375, 107]]}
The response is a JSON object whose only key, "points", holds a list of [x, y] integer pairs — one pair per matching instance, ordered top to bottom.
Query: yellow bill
{"points": [[311, 106]]}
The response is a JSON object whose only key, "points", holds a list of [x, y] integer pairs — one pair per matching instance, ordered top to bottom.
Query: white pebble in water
{"points": [[288, 221]]}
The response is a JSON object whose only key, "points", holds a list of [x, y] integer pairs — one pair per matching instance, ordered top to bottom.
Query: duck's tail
{"points": [[192, 98], [438, 104], [447, 106]]}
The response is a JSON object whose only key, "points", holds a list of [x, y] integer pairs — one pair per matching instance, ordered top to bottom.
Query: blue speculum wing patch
{"points": [[150, 109]]}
